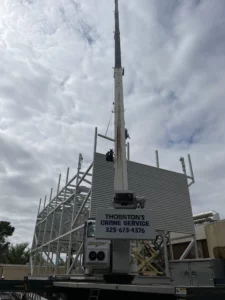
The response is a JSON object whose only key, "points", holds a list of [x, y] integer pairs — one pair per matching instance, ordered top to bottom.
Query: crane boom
{"points": [[117, 37], [120, 179], [125, 203]]}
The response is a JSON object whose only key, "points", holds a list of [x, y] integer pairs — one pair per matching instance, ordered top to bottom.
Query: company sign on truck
{"points": [[132, 224]]}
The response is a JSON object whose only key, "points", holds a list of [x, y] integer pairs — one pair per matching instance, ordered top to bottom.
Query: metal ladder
{"points": [[94, 294]]}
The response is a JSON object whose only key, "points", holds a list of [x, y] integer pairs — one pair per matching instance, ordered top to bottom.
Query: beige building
{"points": [[210, 233], [18, 272]]}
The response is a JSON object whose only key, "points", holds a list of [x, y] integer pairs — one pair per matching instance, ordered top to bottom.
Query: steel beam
{"points": [[60, 225], [187, 250], [76, 258]]}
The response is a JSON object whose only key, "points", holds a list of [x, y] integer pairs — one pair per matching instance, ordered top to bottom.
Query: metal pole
{"points": [[106, 137], [95, 140], [95, 149], [128, 151], [157, 158], [191, 169], [44, 202], [74, 202], [39, 207], [81, 208], [53, 221], [46, 223], [60, 226], [37, 238], [195, 246], [171, 247], [187, 250], [166, 255], [48, 256], [35, 258], [76, 258], [51, 259], [40, 260], [80, 263], [31, 265]]}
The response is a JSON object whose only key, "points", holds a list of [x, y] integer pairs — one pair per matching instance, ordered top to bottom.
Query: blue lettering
{"points": [[136, 223]]}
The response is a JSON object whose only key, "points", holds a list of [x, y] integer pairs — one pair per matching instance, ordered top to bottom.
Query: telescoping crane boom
{"points": [[120, 164], [130, 221], [120, 248]]}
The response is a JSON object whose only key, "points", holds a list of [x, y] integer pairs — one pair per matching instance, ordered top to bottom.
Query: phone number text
{"points": [[125, 229]]}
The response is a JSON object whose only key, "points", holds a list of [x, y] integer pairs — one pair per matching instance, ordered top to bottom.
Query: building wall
{"points": [[215, 234], [14, 272], [18, 272]]}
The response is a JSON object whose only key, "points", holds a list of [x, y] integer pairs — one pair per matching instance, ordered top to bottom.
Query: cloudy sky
{"points": [[56, 85]]}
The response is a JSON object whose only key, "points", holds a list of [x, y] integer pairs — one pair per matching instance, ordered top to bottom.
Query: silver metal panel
{"points": [[166, 193], [196, 272], [180, 273], [202, 273], [154, 289]]}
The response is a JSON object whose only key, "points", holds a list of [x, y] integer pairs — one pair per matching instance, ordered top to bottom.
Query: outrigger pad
{"points": [[118, 278]]}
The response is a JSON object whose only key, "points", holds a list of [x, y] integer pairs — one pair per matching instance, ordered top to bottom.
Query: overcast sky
{"points": [[56, 85]]}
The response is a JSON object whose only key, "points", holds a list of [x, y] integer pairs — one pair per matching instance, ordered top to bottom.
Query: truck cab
{"points": [[96, 253]]}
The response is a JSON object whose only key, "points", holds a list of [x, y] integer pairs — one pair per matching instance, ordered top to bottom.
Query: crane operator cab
{"points": [[96, 253]]}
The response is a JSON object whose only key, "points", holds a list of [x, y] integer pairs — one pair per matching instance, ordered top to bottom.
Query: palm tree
{"points": [[18, 254]]}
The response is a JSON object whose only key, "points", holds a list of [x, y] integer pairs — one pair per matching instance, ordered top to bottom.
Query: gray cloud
{"points": [[57, 85]]}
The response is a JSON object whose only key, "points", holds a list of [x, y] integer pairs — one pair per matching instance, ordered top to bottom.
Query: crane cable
{"points": [[112, 111], [111, 120], [108, 124]]}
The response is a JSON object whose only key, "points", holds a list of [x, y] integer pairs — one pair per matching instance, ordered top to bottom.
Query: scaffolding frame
{"points": [[58, 234], [57, 246]]}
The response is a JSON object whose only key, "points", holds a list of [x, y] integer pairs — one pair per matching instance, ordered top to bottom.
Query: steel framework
{"points": [[58, 236], [57, 246]]}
